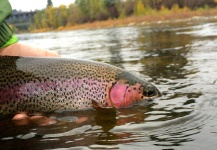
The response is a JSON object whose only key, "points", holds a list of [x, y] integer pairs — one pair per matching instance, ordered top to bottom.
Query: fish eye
{"points": [[149, 91]]}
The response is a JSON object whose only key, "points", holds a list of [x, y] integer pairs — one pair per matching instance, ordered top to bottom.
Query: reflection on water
{"points": [[178, 57]]}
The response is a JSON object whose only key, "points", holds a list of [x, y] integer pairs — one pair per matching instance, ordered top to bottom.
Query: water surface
{"points": [[178, 57]]}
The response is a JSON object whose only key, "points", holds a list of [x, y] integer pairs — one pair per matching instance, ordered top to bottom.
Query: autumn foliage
{"points": [[90, 11]]}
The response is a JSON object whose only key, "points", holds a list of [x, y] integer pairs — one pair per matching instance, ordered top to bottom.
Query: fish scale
{"points": [[39, 82], [47, 84]]}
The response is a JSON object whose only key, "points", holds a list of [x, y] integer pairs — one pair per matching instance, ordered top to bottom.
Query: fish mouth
{"points": [[158, 93]]}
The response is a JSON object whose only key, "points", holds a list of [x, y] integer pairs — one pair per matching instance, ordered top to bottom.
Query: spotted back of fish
{"points": [[47, 84]]}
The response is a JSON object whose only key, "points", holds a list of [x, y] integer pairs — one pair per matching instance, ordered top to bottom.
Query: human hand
{"points": [[19, 49]]}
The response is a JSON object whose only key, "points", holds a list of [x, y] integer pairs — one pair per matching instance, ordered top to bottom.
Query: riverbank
{"points": [[151, 17]]}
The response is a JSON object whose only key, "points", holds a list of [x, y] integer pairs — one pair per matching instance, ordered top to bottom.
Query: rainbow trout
{"points": [[29, 84]]}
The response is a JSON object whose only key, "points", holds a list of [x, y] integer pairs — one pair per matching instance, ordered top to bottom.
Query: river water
{"points": [[179, 58]]}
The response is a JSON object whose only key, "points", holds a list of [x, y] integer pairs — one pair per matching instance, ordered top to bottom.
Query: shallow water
{"points": [[178, 57]]}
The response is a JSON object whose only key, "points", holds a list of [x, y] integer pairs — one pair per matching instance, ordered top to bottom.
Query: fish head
{"points": [[124, 93]]}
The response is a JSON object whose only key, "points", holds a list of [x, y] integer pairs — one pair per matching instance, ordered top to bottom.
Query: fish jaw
{"points": [[133, 95]]}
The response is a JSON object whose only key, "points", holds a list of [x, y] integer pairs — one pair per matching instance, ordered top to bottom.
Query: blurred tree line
{"points": [[83, 11]]}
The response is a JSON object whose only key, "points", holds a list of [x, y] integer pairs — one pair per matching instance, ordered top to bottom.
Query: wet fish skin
{"points": [[47, 84]]}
